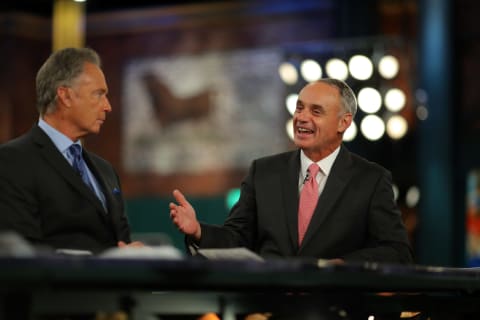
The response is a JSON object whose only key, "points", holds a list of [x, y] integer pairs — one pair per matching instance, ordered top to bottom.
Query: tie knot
{"points": [[75, 150], [313, 169]]}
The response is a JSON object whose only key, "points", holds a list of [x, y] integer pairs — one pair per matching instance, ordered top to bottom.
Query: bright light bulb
{"points": [[361, 67], [388, 67], [337, 69], [310, 70], [288, 73], [369, 100], [395, 100], [291, 102], [422, 113], [372, 127], [397, 127], [289, 128], [350, 133], [396, 192], [412, 197]]}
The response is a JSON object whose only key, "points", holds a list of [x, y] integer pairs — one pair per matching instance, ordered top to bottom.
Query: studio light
{"points": [[361, 67], [368, 67], [388, 67], [336, 69], [310, 70], [288, 73], [421, 96], [369, 100], [395, 100], [291, 102], [422, 113], [372, 127], [397, 127], [289, 128], [350, 133], [396, 192], [232, 197], [412, 197]]}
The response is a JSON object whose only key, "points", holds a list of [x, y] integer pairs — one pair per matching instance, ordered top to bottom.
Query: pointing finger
{"points": [[180, 198]]}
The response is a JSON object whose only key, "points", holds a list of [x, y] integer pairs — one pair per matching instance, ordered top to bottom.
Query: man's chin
{"points": [[95, 130], [300, 143]]}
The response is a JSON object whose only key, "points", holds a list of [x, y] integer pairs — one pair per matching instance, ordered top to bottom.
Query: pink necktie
{"points": [[308, 201]]}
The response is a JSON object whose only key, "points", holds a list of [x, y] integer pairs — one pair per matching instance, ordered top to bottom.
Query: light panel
{"points": [[361, 67], [288, 73], [372, 127]]}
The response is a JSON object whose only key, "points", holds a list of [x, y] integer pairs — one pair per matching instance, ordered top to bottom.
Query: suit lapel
{"points": [[58, 162], [101, 179], [337, 180], [111, 190], [290, 192]]}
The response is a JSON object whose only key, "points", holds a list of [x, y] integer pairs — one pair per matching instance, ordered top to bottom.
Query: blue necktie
{"points": [[79, 164]]}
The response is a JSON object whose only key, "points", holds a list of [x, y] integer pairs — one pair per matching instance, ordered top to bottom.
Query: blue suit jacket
{"points": [[44, 200]]}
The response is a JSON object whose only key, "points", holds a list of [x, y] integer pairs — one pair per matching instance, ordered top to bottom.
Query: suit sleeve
{"points": [[124, 224], [239, 228], [387, 238]]}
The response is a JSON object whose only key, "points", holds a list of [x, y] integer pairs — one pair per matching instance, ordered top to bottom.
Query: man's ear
{"points": [[63, 95], [344, 122]]}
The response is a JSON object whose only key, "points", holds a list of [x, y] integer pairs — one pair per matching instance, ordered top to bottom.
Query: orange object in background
{"points": [[472, 219], [209, 316]]}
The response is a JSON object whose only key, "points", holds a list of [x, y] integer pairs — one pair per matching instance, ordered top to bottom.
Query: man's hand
{"points": [[183, 216], [134, 244], [336, 261]]}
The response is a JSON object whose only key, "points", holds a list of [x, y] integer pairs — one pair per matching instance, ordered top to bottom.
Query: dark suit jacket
{"points": [[44, 200], [356, 217]]}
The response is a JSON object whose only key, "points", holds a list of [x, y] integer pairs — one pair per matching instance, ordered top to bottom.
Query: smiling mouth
{"points": [[304, 131]]}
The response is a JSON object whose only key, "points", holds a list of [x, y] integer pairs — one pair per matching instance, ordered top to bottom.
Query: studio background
{"points": [[196, 96]]}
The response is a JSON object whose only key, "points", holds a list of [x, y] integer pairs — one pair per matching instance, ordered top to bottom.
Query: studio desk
{"points": [[66, 287]]}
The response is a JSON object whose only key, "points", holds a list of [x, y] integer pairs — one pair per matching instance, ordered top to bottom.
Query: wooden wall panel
{"points": [[24, 45]]}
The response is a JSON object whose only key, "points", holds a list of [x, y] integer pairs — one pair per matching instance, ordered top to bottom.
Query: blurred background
{"points": [[201, 88]]}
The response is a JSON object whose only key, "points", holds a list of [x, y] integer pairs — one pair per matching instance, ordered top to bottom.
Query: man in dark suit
{"points": [[42, 196], [354, 214]]}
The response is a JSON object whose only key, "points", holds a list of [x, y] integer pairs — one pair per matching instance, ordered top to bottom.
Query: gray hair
{"points": [[60, 69], [347, 96]]}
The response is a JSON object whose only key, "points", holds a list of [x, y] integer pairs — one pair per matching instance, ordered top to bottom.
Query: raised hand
{"points": [[183, 216]]}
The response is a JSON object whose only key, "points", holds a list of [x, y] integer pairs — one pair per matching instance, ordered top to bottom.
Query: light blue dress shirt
{"points": [[62, 142]]}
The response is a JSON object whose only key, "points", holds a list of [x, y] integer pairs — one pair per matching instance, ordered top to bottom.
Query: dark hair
{"points": [[60, 69]]}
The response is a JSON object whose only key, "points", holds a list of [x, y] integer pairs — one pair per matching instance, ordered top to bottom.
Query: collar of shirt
{"points": [[61, 141], [325, 164]]}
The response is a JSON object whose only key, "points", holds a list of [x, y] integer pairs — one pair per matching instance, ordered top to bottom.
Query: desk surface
{"points": [[192, 274], [143, 287]]}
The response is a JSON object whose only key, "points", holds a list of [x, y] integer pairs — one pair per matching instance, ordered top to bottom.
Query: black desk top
{"points": [[196, 274]]}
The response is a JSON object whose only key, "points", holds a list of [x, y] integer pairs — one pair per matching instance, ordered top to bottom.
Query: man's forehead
{"points": [[318, 91]]}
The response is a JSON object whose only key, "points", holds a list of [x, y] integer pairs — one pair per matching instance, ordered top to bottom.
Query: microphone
{"points": [[307, 177]]}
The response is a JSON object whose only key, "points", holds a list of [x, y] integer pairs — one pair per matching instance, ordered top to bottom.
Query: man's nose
{"points": [[107, 105], [302, 115]]}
